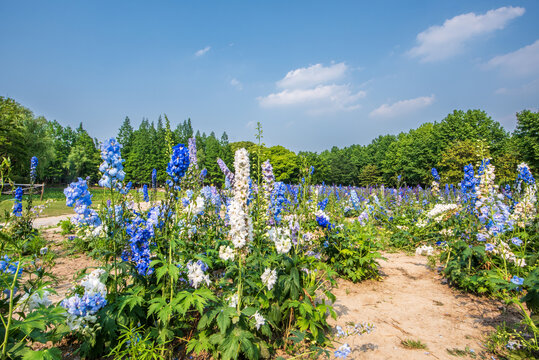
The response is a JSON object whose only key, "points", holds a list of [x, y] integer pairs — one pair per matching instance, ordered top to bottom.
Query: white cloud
{"points": [[442, 42], [202, 51], [524, 61], [311, 76], [236, 83], [315, 89], [336, 97], [402, 107]]}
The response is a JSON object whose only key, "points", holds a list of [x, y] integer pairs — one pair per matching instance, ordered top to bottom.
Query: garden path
{"points": [[413, 302]]}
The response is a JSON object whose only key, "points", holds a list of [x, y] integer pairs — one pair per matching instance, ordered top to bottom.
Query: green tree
{"points": [[527, 134], [459, 154]]}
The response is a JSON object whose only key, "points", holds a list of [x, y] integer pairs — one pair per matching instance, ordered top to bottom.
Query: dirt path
{"points": [[50, 220], [67, 266], [411, 302]]}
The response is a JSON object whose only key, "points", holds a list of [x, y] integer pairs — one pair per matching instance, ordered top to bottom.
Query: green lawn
{"points": [[58, 204]]}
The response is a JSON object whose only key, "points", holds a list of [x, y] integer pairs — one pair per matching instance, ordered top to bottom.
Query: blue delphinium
{"points": [[179, 163], [112, 166], [33, 169], [435, 174], [525, 175], [154, 178], [467, 187], [145, 192], [78, 196], [355, 200], [277, 201], [322, 204], [17, 206], [323, 219], [140, 233], [516, 241], [7, 266], [517, 280], [88, 304], [343, 351]]}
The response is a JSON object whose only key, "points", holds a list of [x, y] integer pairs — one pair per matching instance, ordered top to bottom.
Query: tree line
{"points": [[462, 137]]}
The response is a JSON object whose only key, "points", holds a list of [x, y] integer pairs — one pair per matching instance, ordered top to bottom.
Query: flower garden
{"points": [[249, 271]]}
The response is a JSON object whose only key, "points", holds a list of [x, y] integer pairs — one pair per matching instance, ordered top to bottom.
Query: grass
{"points": [[57, 205], [413, 344]]}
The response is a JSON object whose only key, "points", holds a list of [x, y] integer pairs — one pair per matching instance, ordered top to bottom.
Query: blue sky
{"points": [[316, 74]]}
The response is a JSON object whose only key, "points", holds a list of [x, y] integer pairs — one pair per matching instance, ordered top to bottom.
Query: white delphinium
{"points": [[241, 179], [486, 186], [195, 207], [525, 209], [439, 210], [421, 223], [402, 227], [241, 228], [239, 232], [446, 232], [281, 238], [502, 249], [425, 250], [226, 253], [196, 275], [269, 278], [92, 283], [35, 300], [232, 300], [260, 321]]}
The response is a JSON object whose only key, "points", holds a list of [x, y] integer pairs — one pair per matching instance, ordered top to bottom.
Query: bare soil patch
{"points": [[412, 302]]}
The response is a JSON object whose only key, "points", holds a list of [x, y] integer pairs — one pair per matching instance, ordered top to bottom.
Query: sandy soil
{"points": [[67, 266], [412, 302]]}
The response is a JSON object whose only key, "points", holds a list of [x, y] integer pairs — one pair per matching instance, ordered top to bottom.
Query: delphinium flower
{"points": [[192, 145], [178, 164], [112, 166], [33, 169], [203, 174], [524, 174], [229, 176], [154, 178], [268, 179], [435, 187], [467, 187], [145, 193], [78, 195], [355, 200], [277, 201], [322, 204], [17, 205], [195, 207], [525, 210], [439, 211], [363, 218], [323, 219], [240, 221], [140, 233], [281, 239], [516, 241], [226, 253], [7, 266], [196, 273], [269, 278], [517, 280], [36, 300], [232, 300], [82, 309], [259, 320], [343, 351]]}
